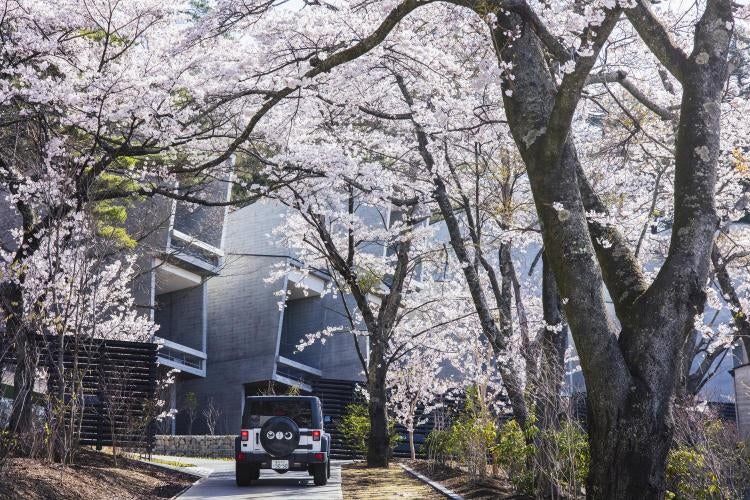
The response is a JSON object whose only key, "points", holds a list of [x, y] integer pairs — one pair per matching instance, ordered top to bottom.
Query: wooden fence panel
{"points": [[116, 379]]}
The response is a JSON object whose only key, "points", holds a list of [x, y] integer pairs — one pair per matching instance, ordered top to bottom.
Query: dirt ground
{"points": [[93, 477], [459, 482], [361, 483]]}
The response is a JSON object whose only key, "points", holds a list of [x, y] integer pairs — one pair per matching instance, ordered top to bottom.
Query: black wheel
{"points": [[329, 468], [245, 474], [320, 474]]}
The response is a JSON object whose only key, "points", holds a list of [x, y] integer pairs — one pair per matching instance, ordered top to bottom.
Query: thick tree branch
{"points": [[524, 10], [657, 38], [336, 59], [621, 77], [569, 92], [697, 149], [554, 182], [621, 271]]}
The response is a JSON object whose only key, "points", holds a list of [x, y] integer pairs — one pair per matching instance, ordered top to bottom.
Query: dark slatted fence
{"points": [[118, 381], [335, 395]]}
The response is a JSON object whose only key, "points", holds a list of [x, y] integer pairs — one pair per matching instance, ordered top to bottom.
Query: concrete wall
{"points": [[148, 222], [204, 222], [180, 316], [301, 317], [245, 321], [337, 357], [742, 387], [195, 446]]}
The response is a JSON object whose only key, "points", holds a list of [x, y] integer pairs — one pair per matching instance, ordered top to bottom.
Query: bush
{"points": [[355, 426], [472, 438], [469, 439], [439, 446], [513, 454], [573, 455], [707, 459], [688, 477]]}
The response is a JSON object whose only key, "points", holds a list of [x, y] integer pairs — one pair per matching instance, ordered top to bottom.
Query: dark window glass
{"points": [[258, 412]]}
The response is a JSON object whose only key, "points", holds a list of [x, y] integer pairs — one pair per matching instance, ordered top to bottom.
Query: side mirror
{"points": [[327, 419]]}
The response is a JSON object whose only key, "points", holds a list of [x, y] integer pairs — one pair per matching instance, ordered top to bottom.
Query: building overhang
{"points": [[195, 242], [194, 264], [170, 278], [304, 284], [299, 366], [291, 382]]}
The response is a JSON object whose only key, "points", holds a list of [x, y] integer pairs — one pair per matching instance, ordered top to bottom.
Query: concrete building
{"points": [[252, 326]]}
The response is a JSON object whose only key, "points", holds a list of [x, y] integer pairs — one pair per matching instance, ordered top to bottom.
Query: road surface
{"points": [[218, 482]]}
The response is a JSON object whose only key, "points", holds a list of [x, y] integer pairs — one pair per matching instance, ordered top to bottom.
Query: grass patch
{"points": [[172, 463], [360, 483]]}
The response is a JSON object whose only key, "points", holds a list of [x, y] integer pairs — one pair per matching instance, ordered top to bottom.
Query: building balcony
{"points": [[180, 357]]}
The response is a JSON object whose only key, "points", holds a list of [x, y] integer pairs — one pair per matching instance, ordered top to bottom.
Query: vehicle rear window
{"points": [[257, 412]]}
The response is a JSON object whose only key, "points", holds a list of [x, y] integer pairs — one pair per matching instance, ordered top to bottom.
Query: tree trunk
{"points": [[498, 338], [24, 341], [554, 342], [548, 377], [630, 377], [378, 441], [412, 449], [629, 454]]}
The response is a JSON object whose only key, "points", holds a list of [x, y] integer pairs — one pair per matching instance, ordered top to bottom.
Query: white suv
{"points": [[282, 433]]}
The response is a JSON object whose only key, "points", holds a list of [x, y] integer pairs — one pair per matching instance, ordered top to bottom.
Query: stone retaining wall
{"points": [[195, 446]]}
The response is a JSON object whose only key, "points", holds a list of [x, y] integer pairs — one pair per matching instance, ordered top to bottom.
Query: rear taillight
{"points": [[244, 435], [316, 435], [320, 457]]}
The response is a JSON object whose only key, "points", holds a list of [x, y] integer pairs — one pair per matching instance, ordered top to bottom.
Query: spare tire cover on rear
{"points": [[279, 436]]}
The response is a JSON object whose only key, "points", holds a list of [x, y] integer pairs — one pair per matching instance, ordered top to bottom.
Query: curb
{"points": [[176, 469], [439, 487], [186, 488]]}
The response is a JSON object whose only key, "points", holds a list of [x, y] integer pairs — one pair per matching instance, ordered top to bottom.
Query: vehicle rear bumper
{"points": [[297, 461]]}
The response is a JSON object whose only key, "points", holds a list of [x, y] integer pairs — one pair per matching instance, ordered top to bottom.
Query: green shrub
{"points": [[355, 426], [469, 439], [439, 446], [573, 453], [513, 454], [689, 477]]}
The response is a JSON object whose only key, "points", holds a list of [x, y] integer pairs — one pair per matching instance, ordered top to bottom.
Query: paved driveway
{"points": [[218, 482]]}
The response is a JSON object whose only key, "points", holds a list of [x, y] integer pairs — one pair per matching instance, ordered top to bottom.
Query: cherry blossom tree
{"points": [[367, 103], [95, 108], [385, 268], [76, 292], [628, 368], [415, 385]]}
